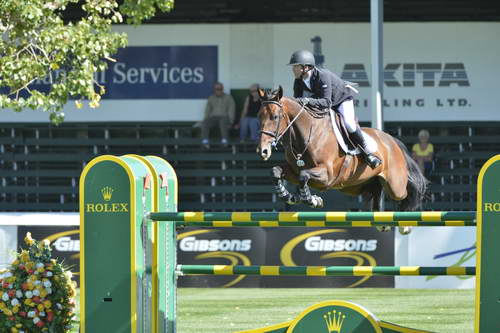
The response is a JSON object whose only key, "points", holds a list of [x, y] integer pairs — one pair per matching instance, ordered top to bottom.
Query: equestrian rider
{"points": [[321, 89]]}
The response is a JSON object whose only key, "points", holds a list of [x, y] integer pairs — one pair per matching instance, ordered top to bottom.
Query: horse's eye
{"points": [[274, 117]]}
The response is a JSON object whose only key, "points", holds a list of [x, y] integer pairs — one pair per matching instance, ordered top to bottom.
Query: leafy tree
{"points": [[37, 44]]}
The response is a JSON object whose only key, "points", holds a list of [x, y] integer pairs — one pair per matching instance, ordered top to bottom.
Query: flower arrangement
{"points": [[36, 292]]}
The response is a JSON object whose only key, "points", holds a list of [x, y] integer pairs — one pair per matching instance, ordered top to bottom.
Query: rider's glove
{"points": [[303, 100]]}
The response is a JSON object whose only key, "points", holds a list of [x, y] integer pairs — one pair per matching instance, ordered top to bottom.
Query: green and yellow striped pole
{"points": [[308, 219], [323, 270]]}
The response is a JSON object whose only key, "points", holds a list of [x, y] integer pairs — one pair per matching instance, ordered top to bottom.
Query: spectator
{"points": [[218, 111], [249, 123], [423, 152]]}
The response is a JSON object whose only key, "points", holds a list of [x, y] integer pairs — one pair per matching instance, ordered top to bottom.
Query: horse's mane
{"points": [[274, 94], [313, 112]]}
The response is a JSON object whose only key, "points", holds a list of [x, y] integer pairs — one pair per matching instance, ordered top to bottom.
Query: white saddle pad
{"points": [[371, 143]]}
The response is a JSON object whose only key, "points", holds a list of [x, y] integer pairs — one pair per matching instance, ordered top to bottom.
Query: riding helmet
{"points": [[302, 57]]}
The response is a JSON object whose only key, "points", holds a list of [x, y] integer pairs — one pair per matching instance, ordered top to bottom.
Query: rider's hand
{"points": [[303, 100]]}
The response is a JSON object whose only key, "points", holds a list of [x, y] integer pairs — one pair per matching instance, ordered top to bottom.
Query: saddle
{"points": [[343, 137]]}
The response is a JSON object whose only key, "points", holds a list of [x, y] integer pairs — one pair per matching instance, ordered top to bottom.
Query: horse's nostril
{"points": [[264, 151]]}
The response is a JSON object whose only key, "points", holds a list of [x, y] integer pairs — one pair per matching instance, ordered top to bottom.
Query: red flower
{"points": [[21, 266], [30, 271], [5, 285], [24, 286], [11, 293], [36, 299], [22, 314], [50, 315], [12, 318], [40, 324]]}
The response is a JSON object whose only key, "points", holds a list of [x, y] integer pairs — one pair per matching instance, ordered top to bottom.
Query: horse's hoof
{"points": [[292, 200], [316, 202], [384, 228], [404, 230]]}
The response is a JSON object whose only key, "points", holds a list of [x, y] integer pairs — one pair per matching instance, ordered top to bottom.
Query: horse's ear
{"points": [[280, 92], [261, 93]]}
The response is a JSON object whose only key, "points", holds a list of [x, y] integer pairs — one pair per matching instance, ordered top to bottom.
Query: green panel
{"points": [[167, 257], [112, 280], [487, 285]]}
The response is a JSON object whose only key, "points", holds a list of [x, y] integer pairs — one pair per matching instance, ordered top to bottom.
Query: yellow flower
{"points": [[28, 240], [46, 243], [25, 256], [15, 262], [30, 265], [40, 270], [44, 293], [27, 301], [48, 304], [40, 307], [15, 309], [7, 312], [19, 325], [14, 330]]}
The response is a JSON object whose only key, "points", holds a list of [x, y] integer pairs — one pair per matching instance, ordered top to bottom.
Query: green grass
{"points": [[229, 310]]}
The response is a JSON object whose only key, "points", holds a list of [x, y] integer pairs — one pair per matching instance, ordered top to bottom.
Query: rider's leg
{"points": [[347, 111]]}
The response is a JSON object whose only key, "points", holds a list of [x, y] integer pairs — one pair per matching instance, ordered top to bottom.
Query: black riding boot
{"points": [[370, 159]]}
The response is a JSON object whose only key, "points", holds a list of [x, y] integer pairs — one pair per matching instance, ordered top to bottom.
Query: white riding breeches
{"points": [[346, 109]]}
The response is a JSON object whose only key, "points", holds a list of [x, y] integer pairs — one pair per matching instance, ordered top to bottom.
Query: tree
{"points": [[37, 44]]}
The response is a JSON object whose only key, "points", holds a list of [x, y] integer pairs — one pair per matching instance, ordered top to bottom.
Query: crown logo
{"points": [[107, 193], [334, 321]]}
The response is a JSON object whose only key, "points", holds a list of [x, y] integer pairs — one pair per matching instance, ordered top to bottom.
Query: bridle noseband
{"points": [[276, 135]]}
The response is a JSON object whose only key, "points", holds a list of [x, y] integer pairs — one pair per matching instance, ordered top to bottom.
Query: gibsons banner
{"points": [[288, 247]]}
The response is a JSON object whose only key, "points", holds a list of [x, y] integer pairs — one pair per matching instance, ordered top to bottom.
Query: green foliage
{"points": [[37, 44]]}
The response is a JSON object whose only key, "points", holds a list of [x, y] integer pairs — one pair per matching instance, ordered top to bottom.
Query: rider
{"points": [[322, 89]]}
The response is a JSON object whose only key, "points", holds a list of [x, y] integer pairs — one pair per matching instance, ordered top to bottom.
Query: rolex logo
{"points": [[107, 193], [334, 321]]}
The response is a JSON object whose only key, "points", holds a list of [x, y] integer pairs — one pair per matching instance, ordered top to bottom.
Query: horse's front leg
{"points": [[278, 174], [318, 174]]}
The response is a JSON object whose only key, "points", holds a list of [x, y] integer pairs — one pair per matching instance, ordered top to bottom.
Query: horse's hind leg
{"points": [[277, 174], [372, 195]]}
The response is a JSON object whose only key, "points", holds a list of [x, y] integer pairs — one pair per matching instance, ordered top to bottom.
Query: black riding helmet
{"points": [[302, 57]]}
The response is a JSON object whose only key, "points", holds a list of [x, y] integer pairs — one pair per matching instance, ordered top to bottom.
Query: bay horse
{"points": [[315, 159]]}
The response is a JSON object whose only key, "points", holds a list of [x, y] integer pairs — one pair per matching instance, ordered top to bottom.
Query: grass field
{"points": [[229, 310]]}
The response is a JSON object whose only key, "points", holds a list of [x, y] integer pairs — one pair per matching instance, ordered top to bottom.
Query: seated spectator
{"points": [[219, 111], [249, 123], [423, 152]]}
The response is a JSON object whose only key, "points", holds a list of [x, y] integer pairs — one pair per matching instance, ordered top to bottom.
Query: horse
{"points": [[314, 159]]}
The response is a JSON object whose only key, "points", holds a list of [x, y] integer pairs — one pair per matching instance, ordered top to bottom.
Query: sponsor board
{"points": [[216, 246], [437, 246], [289, 247]]}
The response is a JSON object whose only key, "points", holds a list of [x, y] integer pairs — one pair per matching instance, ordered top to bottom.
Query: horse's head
{"points": [[272, 120]]}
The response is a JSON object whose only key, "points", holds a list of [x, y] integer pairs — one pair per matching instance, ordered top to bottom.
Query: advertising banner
{"points": [[157, 72], [65, 242], [216, 246], [437, 246], [286, 247], [329, 247]]}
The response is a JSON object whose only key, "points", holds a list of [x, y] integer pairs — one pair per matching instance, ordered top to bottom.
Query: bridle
{"points": [[276, 135]]}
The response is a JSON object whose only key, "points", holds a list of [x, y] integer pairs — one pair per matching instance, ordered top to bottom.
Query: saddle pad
{"points": [[371, 143]]}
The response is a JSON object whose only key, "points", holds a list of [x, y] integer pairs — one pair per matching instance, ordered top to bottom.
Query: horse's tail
{"points": [[417, 183]]}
